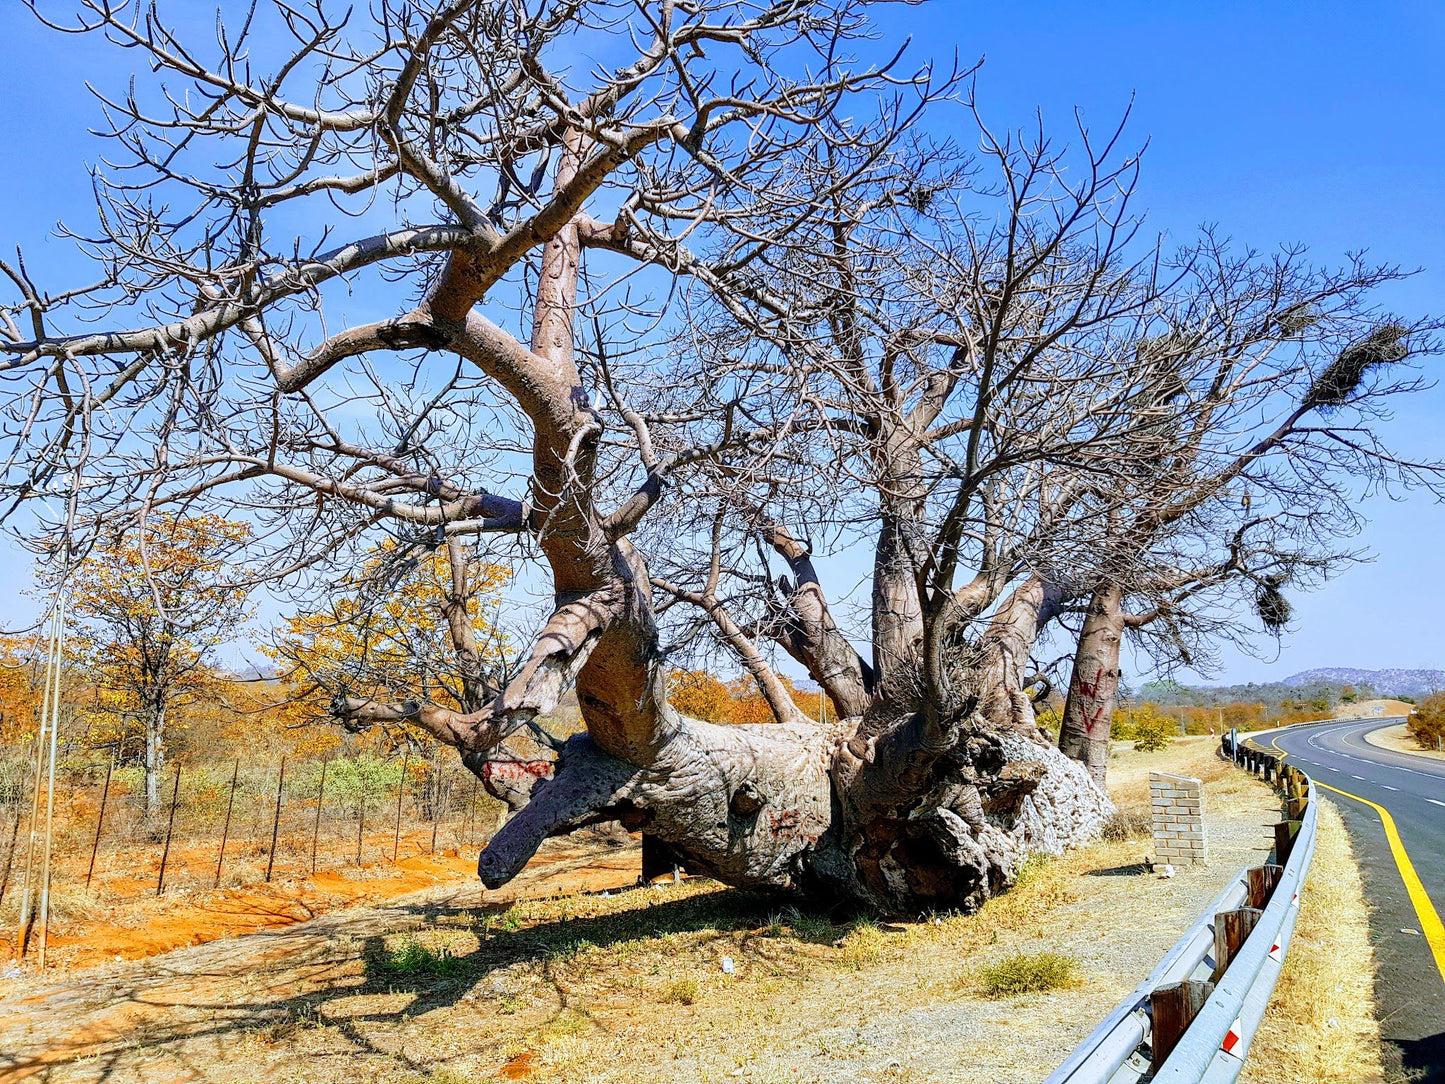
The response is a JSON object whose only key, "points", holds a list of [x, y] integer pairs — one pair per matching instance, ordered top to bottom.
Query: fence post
{"points": [[400, 792], [360, 811], [472, 811], [99, 820], [276, 820], [170, 824], [316, 828], [226, 830], [1284, 833], [1260, 882], [1230, 930], [1172, 1009]]}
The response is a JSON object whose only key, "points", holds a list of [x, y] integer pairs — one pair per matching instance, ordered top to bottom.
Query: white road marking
{"points": [[1332, 769], [1388, 787], [1435, 801]]}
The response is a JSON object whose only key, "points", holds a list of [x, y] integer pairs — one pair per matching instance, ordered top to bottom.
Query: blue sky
{"points": [[1320, 123]]}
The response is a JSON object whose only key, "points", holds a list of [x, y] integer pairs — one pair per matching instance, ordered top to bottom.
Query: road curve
{"points": [[1393, 805]]}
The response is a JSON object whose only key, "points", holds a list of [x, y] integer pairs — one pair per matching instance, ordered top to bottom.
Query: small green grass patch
{"points": [[1028, 973]]}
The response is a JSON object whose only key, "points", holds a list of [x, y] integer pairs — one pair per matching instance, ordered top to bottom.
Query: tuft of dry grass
{"points": [[1028, 973], [682, 991], [1320, 1027]]}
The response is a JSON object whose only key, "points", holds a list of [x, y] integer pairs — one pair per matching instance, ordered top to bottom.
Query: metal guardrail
{"points": [[1214, 1045]]}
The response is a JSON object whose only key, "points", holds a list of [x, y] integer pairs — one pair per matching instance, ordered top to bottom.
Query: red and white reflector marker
{"points": [[1294, 900], [1275, 954], [1234, 1040]]}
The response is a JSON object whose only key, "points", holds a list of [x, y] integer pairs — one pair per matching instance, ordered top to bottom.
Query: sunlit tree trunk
{"points": [[1094, 682]]}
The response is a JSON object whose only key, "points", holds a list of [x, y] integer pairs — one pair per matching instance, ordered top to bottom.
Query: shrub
{"points": [[1427, 722], [1152, 731], [1127, 824], [1029, 973], [681, 991]]}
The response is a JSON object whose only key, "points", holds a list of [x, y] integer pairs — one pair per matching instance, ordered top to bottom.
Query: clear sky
{"points": [[1321, 123]]}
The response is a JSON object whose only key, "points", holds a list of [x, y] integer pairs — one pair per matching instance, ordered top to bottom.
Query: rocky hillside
{"points": [[1414, 683]]}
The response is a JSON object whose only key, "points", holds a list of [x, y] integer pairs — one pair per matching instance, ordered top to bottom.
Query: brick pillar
{"points": [[1177, 815]]}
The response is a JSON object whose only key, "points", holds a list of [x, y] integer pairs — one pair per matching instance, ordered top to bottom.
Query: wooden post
{"points": [[400, 791], [1295, 808], [360, 811], [472, 811], [99, 820], [276, 820], [170, 824], [316, 828], [226, 830], [1284, 833], [1260, 882], [1230, 930], [1172, 1009]]}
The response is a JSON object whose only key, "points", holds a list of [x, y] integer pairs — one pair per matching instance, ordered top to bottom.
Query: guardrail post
{"points": [[1295, 808], [1284, 833], [1260, 882], [1230, 930], [1172, 1009]]}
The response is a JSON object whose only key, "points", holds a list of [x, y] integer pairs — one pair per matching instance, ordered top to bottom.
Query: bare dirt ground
{"points": [[1398, 739], [123, 919], [457, 984]]}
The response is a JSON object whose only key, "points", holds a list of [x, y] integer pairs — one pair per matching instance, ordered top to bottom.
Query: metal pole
{"points": [[50, 775], [400, 791], [100, 820], [276, 820], [170, 824], [316, 828], [226, 830], [26, 914]]}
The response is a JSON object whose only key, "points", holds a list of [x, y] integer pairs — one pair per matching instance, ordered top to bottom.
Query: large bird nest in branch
{"points": [[1383, 346]]}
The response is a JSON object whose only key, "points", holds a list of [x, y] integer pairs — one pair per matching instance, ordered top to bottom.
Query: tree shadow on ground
{"points": [[1134, 869], [174, 1020]]}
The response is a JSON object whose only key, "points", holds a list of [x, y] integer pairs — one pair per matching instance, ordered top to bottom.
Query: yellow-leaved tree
{"points": [[149, 608], [401, 627], [413, 628]]}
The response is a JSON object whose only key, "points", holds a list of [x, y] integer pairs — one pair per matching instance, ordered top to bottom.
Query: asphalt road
{"points": [[1410, 987]]}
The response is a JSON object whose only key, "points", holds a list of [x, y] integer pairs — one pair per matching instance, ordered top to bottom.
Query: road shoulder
{"points": [[1397, 739]]}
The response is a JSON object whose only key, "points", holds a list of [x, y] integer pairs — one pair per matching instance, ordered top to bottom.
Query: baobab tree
{"points": [[740, 278], [1284, 375]]}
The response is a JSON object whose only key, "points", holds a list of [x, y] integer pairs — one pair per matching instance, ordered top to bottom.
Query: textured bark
{"points": [[897, 607], [810, 634], [1094, 682], [155, 757], [897, 804]]}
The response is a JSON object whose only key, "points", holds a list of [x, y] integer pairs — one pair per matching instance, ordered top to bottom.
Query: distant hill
{"points": [[1383, 682]]}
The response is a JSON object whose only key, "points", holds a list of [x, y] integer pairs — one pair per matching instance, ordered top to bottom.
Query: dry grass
{"points": [[1399, 739], [1028, 973], [630, 986], [1320, 1027]]}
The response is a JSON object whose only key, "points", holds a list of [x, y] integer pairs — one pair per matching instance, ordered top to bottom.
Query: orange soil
{"points": [[196, 919], [135, 924]]}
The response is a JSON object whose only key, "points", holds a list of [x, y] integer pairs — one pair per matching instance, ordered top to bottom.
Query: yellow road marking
{"points": [[1430, 924]]}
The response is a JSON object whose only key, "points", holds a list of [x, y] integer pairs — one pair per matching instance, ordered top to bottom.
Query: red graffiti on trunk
{"points": [[496, 771]]}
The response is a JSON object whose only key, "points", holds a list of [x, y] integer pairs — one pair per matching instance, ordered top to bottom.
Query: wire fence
{"points": [[235, 822]]}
